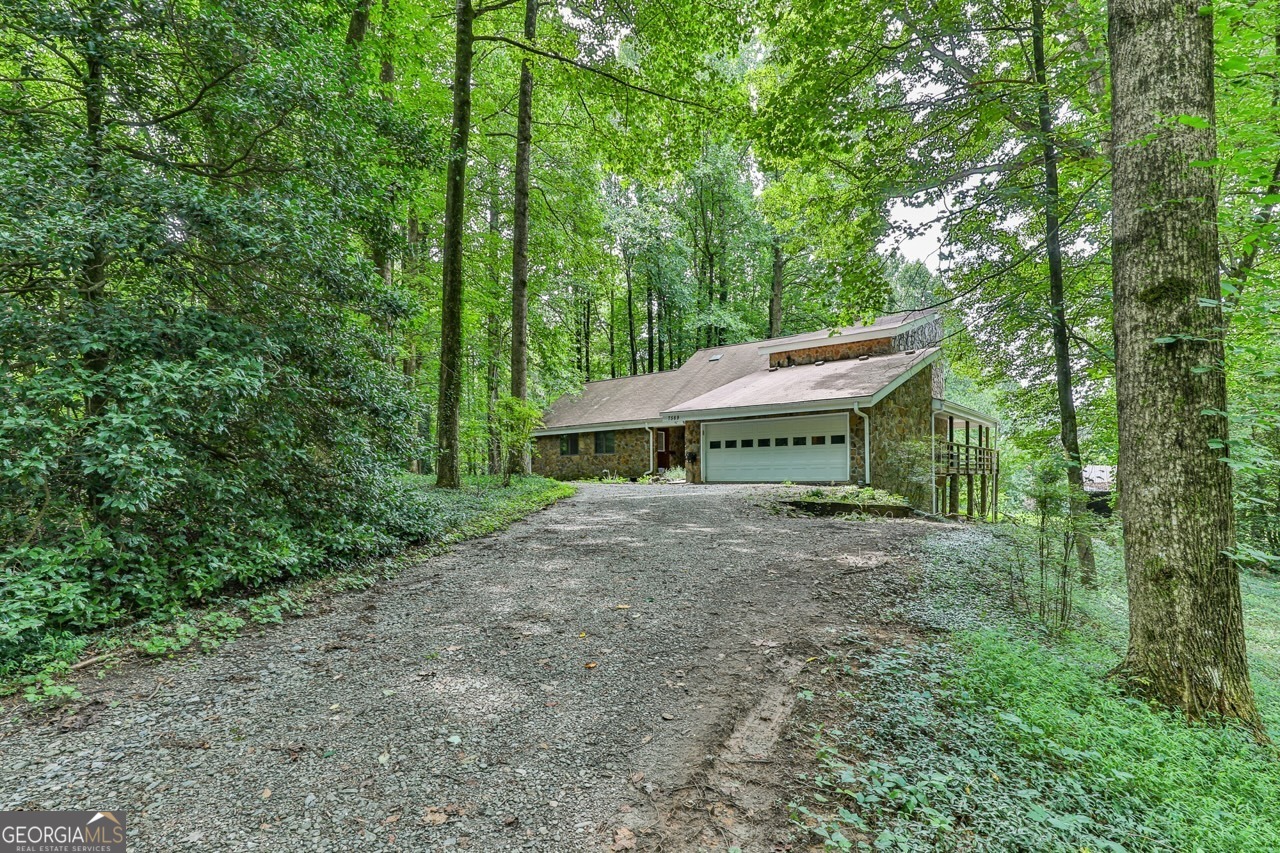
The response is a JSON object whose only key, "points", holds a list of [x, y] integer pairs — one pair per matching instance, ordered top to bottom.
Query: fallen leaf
{"points": [[624, 607], [582, 636], [591, 665], [384, 758], [266, 793], [435, 816], [623, 839]]}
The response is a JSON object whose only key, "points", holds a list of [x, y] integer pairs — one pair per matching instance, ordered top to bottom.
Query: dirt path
{"points": [[610, 673]]}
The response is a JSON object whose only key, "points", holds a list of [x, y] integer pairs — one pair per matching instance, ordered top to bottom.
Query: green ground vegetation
{"points": [[990, 727]]}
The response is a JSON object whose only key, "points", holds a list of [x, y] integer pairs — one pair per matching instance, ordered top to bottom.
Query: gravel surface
{"points": [[611, 673]]}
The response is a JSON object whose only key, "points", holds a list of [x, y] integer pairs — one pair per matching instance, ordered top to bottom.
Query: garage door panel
{"points": [[726, 460]]}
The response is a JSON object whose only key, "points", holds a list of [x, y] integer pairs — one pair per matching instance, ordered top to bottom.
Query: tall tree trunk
{"points": [[359, 23], [93, 276], [775, 299], [648, 304], [1057, 307], [631, 313], [613, 328], [662, 330], [586, 338], [493, 345], [493, 391], [450, 397], [518, 457], [1186, 633]]}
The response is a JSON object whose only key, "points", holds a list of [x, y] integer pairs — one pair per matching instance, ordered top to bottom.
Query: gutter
{"points": [[649, 430], [866, 443]]}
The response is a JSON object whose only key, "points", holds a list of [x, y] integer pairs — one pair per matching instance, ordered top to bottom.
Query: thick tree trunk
{"points": [[359, 24], [775, 299], [1057, 304], [450, 396], [518, 457], [1186, 634]]}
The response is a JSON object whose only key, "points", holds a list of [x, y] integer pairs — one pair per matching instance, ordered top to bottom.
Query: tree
{"points": [[449, 405], [518, 456], [1186, 633]]}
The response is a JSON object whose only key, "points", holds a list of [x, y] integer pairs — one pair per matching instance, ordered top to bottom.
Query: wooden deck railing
{"points": [[979, 467]]}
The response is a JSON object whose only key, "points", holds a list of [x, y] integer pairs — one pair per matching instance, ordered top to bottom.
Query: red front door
{"points": [[660, 448]]}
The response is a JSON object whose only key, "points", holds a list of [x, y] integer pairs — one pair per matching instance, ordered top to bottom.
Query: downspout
{"points": [[649, 430], [866, 444]]}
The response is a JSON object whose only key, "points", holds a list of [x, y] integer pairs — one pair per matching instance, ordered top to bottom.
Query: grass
{"points": [[482, 506], [1002, 735]]}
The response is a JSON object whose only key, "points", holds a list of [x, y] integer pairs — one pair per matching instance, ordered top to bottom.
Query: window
{"points": [[819, 439], [837, 439], [662, 441], [799, 441], [604, 442], [747, 442], [764, 442], [780, 442], [730, 443], [569, 444], [715, 445]]}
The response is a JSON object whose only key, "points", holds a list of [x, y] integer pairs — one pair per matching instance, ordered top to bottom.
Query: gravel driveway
{"points": [[610, 673]]}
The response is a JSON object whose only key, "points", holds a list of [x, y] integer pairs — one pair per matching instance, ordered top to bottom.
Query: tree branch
{"points": [[559, 57]]}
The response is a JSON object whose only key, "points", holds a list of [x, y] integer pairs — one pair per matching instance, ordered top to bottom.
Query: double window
{"points": [[569, 444]]}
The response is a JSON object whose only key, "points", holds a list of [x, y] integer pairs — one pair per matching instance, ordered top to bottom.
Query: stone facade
{"points": [[926, 335], [921, 337], [831, 352], [900, 441], [629, 459]]}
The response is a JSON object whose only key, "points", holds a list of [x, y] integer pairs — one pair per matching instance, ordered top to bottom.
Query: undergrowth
{"points": [[1005, 736]]}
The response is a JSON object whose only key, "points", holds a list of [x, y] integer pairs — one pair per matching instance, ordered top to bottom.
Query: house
{"points": [[862, 404]]}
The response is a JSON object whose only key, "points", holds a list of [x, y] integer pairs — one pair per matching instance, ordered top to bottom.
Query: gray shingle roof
{"points": [[825, 382], [643, 398]]}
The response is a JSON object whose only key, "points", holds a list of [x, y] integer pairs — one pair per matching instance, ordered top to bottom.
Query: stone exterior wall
{"points": [[921, 337], [831, 352], [856, 444], [900, 445], [629, 459]]}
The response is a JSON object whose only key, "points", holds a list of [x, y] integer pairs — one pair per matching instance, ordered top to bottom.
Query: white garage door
{"points": [[802, 449]]}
